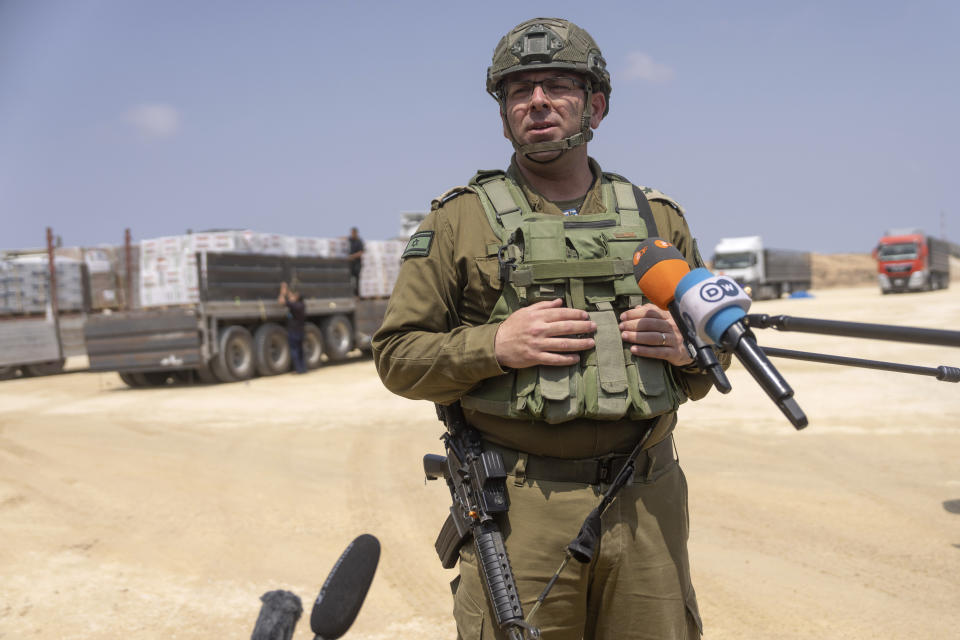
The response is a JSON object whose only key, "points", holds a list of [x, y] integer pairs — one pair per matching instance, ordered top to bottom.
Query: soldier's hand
{"points": [[543, 333], [652, 333]]}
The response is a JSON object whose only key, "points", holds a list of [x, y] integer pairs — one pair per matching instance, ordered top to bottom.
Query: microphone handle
{"points": [[741, 342], [702, 352]]}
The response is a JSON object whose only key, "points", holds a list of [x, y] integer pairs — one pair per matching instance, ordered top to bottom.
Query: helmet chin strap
{"points": [[581, 137]]}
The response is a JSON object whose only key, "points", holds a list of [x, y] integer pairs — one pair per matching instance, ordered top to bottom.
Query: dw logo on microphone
{"points": [[717, 290]]}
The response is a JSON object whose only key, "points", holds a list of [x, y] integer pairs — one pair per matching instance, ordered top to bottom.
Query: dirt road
{"points": [[166, 513]]}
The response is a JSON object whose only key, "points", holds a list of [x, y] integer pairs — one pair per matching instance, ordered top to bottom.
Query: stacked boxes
{"points": [[381, 264], [168, 265], [168, 268], [165, 269], [106, 272], [24, 285], [108, 289]]}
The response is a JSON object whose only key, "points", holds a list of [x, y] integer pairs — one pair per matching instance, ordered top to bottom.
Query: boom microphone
{"points": [[658, 267], [346, 587]]}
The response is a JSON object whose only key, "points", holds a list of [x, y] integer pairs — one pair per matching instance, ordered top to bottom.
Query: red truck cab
{"points": [[909, 260]]}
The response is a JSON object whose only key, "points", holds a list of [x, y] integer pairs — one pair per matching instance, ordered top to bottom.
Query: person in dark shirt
{"points": [[356, 258], [296, 318]]}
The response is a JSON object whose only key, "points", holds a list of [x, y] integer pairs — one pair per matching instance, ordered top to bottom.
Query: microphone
{"points": [[658, 267], [713, 306], [346, 587], [278, 616]]}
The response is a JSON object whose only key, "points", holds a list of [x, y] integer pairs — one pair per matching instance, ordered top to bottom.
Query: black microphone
{"points": [[658, 267], [714, 306], [346, 587], [278, 616]]}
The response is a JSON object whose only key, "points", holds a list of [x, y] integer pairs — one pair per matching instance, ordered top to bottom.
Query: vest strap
{"points": [[626, 203], [509, 213], [537, 272]]}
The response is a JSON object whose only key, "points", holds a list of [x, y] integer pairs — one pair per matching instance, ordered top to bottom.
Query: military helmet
{"points": [[548, 43]]}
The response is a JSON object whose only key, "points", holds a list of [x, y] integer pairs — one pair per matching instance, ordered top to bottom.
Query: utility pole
{"points": [[128, 266], [52, 289]]}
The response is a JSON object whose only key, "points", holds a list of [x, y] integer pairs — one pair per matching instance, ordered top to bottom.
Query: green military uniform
{"points": [[436, 344]]}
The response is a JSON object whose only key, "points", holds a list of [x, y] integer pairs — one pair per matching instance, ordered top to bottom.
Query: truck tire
{"points": [[337, 337], [312, 345], [271, 349], [235, 359], [45, 368], [7, 372], [132, 380]]}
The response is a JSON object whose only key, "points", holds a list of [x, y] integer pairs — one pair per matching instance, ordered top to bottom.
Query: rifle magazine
{"points": [[449, 541]]}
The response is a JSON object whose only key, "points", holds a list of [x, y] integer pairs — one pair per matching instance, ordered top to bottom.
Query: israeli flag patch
{"points": [[418, 245]]}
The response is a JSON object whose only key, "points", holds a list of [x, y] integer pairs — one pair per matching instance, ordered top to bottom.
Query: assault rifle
{"points": [[477, 482]]}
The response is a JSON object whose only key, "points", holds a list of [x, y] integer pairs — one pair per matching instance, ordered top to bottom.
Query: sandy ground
{"points": [[166, 513]]}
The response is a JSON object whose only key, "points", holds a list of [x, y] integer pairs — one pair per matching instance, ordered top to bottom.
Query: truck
{"points": [[909, 260], [764, 273], [223, 323]]}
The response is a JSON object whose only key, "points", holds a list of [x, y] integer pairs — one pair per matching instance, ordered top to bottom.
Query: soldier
{"points": [[355, 255], [515, 300], [296, 319]]}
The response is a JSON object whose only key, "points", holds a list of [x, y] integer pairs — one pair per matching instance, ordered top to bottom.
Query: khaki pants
{"points": [[636, 588]]}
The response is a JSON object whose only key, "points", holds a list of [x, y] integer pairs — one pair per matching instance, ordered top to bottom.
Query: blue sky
{"points": [[815, 124]]}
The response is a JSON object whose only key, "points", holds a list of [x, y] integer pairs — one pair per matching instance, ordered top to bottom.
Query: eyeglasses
{"points": [[553, 87]]}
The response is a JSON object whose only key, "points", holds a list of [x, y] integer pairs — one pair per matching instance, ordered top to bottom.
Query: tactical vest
{"points": [[588, 261]]}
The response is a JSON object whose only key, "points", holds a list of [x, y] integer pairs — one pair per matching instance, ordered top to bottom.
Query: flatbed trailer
{"points": [[236, 331]]}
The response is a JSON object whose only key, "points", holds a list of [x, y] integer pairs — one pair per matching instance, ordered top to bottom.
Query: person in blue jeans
{"points": [[296, 317]]}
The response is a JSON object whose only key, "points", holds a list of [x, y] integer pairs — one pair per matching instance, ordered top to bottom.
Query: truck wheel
{"points": [[337, 337], [312, 345], [271, 349], [235, 360], [45, 368], [7, 372], [133, 380]]}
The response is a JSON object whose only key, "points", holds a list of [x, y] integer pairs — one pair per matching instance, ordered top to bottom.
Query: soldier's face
{"points": [[550, 111]]}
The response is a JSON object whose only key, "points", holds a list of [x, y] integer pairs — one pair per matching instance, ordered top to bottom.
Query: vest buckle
{"points": [[507, 265]]}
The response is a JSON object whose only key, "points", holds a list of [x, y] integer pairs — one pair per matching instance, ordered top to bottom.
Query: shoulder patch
{"points": [[449, 194], [654, 194], [419, 245]]}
